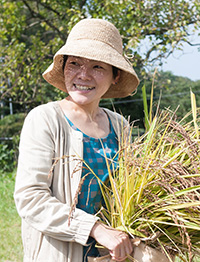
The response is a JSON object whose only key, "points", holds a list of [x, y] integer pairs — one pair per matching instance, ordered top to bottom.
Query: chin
{"points": [[81, 101]]}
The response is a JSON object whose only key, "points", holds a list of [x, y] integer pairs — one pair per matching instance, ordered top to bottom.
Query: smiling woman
{"points": [[90, 66]]}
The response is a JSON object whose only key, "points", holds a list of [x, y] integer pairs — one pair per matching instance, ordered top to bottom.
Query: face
{"points": [[87, 80]]}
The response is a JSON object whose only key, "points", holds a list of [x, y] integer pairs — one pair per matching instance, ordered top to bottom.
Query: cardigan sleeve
{"points": [[33, 195]]}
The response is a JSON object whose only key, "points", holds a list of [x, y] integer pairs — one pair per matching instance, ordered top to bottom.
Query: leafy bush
{"points": [[10, 127], [7, 162]]}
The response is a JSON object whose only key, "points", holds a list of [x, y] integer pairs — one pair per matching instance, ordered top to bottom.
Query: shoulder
{"points": [[45, 109], [49, 112], [46, 116], [116, 117], [121, 126]]}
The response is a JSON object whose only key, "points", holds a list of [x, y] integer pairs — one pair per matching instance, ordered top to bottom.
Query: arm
{"points": [[34, 197]]}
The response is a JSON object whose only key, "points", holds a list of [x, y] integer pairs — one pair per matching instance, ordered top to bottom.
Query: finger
{"points": [[129, 246], [126, 247], [123, 249], [119, 259]]}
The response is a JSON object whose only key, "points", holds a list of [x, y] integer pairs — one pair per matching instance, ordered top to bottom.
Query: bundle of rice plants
{"points": [[154, 194]]}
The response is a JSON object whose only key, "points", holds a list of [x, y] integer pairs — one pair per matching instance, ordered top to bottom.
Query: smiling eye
{"points": [[74, 63], [98, 67]]}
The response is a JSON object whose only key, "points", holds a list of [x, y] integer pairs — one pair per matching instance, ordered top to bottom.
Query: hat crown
{"points": [[96, 30]]}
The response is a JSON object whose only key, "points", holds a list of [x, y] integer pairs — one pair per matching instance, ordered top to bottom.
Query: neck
{"points": [[90, 111]]}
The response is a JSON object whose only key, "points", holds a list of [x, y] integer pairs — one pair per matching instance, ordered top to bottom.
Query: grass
{"points": [[10, 230]]}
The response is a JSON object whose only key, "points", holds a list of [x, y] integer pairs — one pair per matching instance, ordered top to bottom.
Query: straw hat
{"points": [[98, 40]]}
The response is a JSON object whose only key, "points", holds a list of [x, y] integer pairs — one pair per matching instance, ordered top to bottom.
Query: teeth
{"points": [[83, 87]]}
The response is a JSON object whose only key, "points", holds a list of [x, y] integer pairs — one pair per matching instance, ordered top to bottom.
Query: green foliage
{"points": [[32, 31], [174, 92], [10, 127], [7, 162]]}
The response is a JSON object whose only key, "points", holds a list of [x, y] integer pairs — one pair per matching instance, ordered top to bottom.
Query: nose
{"points": [[84, 73]]}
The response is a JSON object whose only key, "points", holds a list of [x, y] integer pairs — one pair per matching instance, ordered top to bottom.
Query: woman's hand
{"points": [[117, 242]]}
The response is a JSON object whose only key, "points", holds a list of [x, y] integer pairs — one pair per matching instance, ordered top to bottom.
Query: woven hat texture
{"points": [[99, 40]]}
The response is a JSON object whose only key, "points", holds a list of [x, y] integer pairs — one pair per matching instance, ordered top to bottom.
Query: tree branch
{"points": [[82, 3], [48, 7], [42, 18], [189, 43]]}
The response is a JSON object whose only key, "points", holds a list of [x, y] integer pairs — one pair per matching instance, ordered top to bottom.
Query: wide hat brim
{"points": [[99, 51]]}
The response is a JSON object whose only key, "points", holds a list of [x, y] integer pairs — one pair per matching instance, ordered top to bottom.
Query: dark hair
{"points": [[64, 61], [114, 69]]}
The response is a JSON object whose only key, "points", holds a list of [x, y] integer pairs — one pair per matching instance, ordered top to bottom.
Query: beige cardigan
{"points": [[43, 201]]}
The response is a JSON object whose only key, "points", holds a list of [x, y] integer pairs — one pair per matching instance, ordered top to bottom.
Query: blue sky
{"points": [[185, 63]]}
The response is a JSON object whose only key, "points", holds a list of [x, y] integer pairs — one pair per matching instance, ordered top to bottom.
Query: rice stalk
{"points": [[156, 189]]}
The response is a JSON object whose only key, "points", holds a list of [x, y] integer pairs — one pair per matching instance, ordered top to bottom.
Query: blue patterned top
{"points": [[94, 151]]}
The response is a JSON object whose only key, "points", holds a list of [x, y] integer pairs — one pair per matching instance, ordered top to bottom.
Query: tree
{"points": [[33, 30], [174, 92]]}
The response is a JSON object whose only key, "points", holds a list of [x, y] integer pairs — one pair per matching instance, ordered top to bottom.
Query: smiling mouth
{"points": [[85, 88]]}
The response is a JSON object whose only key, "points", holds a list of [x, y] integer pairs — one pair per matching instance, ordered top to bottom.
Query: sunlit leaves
{"points": [[32, 31]]}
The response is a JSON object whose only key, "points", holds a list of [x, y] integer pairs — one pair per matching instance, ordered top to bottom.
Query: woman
{"points": [[90, 66]]}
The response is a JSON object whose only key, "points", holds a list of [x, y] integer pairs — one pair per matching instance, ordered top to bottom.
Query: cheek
{"points": [[69, 71], [68, 75], [104, 78]]}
